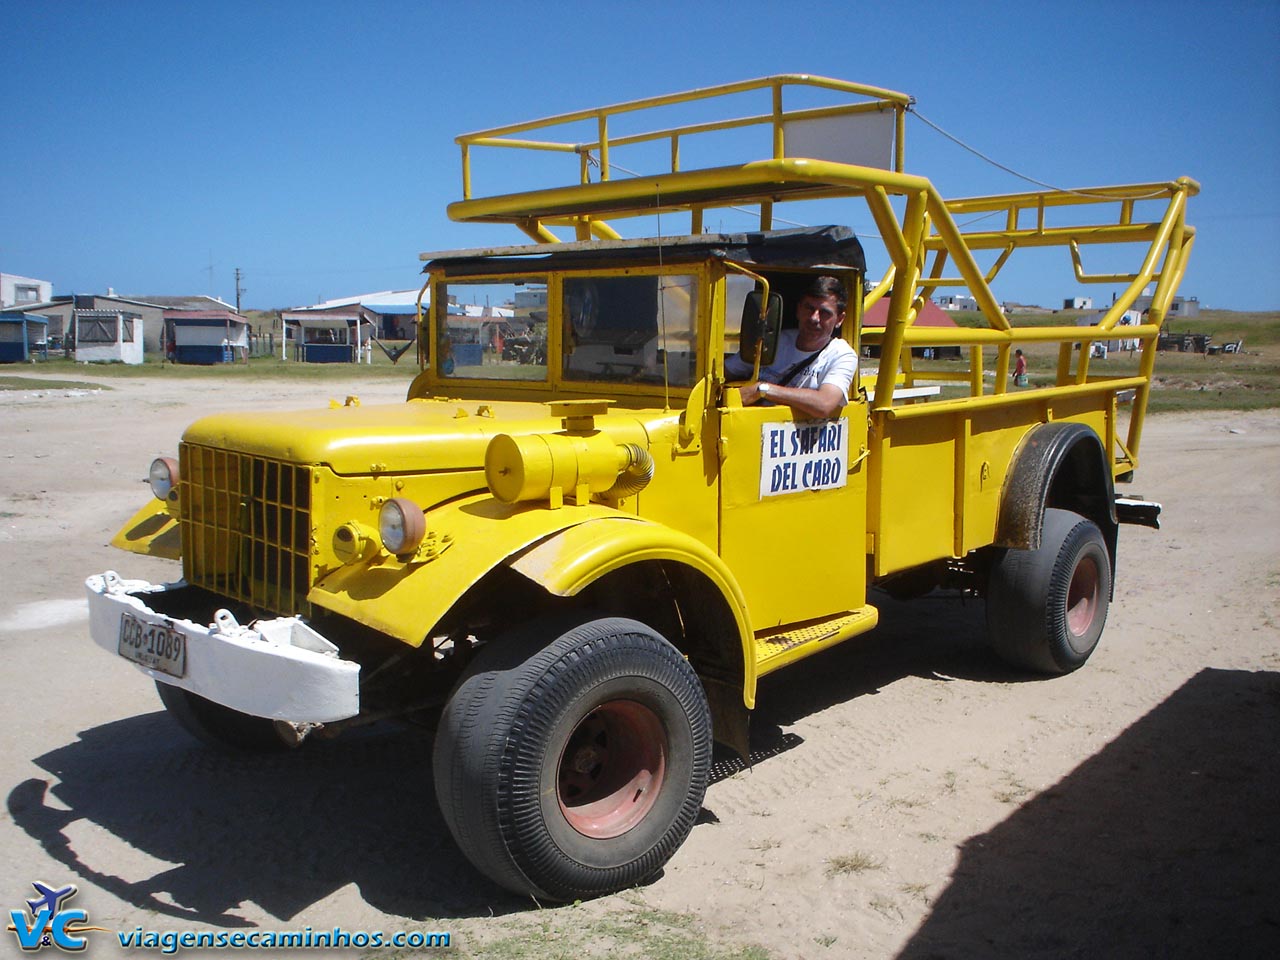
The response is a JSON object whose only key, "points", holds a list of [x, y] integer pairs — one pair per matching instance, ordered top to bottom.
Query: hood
{"points": [[410, 437]]}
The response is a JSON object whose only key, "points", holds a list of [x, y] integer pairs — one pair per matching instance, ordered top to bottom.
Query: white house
{"points": [[19, 292], [953, 302], [1179, 307], [1131, 318], [108, 336]]}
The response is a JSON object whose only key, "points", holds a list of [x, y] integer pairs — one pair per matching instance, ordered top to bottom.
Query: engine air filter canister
{"points": [[530, 467]]}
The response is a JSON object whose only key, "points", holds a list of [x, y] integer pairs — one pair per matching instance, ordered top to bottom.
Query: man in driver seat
{"points": [[812, 368]]}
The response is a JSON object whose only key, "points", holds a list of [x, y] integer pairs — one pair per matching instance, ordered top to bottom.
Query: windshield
{"points": [[633, 328], [493, 330]]}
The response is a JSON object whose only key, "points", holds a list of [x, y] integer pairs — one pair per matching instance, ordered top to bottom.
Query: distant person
{"points": [[812, 368], [1019, 369]]}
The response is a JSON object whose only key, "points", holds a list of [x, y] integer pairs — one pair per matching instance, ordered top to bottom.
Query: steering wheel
{"points": [[581, 302]]}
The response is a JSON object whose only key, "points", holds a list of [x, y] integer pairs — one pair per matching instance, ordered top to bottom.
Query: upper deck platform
{"points": [[860, 125]]}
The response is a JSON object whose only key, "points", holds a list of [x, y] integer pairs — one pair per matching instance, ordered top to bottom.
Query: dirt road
{"points": [[909, 796]]}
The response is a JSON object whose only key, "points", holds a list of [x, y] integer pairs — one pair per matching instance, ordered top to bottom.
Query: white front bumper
{"points": [[280, 669]]}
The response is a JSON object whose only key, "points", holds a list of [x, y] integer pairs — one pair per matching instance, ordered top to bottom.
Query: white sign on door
{"points": [[805, 455]]}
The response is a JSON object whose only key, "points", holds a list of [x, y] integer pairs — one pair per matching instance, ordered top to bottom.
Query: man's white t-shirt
{"points": [[837, 364]]}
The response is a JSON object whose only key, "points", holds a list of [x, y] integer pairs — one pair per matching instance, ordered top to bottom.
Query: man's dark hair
{"points": [[823, 287]]}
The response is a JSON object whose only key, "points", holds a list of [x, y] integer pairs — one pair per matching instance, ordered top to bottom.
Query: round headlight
{"points": [[163, 477], [401, 525]]}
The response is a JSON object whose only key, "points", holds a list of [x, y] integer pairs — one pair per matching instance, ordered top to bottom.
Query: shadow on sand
{"points": [[283, 831], [286, 831], [1164, 844]]}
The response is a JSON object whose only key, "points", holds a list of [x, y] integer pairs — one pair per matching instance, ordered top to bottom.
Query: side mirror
{"points": [[760, 328]]}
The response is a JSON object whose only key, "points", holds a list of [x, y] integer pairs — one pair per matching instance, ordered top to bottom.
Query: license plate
{"points": [[153, 645]]}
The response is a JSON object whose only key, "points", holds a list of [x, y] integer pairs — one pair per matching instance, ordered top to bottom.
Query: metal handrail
{"points": [[871, 99]]}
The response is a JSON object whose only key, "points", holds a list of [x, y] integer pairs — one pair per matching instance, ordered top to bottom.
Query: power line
{"points": [[1009, 170]]}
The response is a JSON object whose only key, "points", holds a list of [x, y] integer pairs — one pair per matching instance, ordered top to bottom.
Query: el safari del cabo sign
{"points": [[805, 455]]}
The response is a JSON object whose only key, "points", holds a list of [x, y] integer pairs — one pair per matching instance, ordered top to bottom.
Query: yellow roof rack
{"points": [[869, 121]]}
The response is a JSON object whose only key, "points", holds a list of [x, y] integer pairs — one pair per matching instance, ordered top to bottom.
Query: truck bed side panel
{"points": [[936, 480]]}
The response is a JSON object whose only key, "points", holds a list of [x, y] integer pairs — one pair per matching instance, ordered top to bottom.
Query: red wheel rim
{"points": [[1083, 596], [612, 769]]}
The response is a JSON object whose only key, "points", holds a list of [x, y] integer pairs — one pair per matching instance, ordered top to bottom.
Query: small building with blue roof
{"points": [[23, 336]]}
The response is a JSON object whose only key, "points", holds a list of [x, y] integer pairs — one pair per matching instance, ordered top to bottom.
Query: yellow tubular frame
{"points": [[926, 228]]}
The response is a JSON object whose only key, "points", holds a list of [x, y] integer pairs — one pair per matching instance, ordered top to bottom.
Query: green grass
{"points": [[1256, 329], [1249, 380], [1188, 381], [46, 383], [1014, 789], [857, 862], [571, 933]]}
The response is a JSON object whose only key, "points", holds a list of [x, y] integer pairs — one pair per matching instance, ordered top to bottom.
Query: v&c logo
{"points": [[46, 923]]}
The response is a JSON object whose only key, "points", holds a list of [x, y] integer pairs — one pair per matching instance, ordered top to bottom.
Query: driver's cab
{"points": [[630, 320], [648, 328]]}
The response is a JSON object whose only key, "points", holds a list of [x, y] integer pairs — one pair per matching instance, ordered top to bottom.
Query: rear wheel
{"points": [[1046, 608], [221, 726], [575, 767]]}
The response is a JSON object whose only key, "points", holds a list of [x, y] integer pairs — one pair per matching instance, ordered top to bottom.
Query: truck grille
{"points": [[246, 527]]}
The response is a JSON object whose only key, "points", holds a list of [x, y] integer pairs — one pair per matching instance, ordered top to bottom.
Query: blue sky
{"points": [[311, 144]]}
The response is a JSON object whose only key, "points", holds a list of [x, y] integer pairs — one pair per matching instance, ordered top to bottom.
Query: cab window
{"points": [[631, 329]]}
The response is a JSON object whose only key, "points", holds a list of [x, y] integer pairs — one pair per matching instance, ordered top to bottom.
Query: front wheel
{"points": [[1046, 608], [221, 726], [575, 767]]}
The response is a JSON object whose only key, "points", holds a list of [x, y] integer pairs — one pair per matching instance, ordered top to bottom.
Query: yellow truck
{"points": [[584, 537]]}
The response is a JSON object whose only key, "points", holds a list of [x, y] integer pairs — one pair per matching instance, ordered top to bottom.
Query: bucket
{"points": [[1020, 380]]}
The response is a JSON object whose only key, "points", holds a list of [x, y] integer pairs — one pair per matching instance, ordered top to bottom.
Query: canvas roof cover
{"points": [[835, 246]]}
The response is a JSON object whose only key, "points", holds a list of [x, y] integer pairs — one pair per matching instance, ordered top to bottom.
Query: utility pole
{"points": [[239, 289]]}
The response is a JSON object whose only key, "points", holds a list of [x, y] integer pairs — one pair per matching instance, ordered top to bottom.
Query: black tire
{"points": [[1046, 608], [220, 726], [573, 763]]}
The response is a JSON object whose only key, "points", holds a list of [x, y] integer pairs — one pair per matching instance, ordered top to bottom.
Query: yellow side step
{"points": [[788, 644]]}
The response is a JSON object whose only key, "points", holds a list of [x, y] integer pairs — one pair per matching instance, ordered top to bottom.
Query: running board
{"points": [[1143, 513], [786, 645]]}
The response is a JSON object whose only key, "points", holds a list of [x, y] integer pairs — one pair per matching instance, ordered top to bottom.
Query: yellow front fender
{"points": [[153, 532], [570, 560], [406, 600]]}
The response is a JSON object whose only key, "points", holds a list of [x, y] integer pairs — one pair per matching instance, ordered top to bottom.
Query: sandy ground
{"points": [[909, 797]]}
